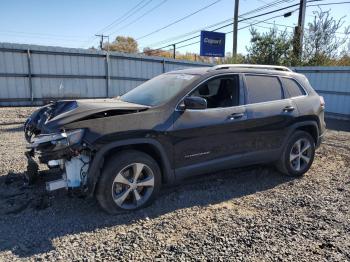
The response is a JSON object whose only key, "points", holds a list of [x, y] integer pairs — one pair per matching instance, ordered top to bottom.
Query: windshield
{"points": [[158, 90]]}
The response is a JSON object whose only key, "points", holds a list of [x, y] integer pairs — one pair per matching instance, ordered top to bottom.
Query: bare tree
{"points": [[321, 41]]}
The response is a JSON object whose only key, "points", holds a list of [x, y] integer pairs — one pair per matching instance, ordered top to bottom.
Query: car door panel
{"points": [[269, 112], [269, 123], [213, 133], [203, 135]]}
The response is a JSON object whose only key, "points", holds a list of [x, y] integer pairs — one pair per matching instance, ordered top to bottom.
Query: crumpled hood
{"points": [[54, 116]]}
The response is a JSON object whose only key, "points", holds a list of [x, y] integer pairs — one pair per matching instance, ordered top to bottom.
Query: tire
{"points": [[293, 163], [130, 180]]}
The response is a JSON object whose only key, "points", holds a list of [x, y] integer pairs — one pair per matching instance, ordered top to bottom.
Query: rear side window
{"points": [[292, 87], [263, 88]]}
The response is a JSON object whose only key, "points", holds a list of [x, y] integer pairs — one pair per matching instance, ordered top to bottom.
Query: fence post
{"points": [[163, 65], [107, 74], [30, 76]]}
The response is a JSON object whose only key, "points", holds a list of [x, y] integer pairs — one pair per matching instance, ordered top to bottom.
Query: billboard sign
{"points": [[212, 44]]}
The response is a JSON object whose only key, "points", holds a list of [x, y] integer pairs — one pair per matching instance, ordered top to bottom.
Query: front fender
{"points": [[97, 163]]}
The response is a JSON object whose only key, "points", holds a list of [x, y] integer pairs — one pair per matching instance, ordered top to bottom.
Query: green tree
{"points": [[124, 44], [322, 44], [270, 48], [238, 59]]}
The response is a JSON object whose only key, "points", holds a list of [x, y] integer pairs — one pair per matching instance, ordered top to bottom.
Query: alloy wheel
{"points": [[300, 154], [133, 186]]}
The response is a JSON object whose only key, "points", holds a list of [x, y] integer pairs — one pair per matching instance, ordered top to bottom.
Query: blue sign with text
{"points": [[212, 44]]}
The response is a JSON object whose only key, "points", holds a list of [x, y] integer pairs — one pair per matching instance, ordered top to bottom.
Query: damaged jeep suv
{"points": [[178, 124]]}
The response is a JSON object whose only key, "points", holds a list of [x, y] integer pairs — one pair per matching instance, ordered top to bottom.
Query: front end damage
{"points": [[62, 135], [64, 151]]}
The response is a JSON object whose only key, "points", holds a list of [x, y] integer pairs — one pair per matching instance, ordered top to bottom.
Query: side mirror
{"points": [[195, 102]]}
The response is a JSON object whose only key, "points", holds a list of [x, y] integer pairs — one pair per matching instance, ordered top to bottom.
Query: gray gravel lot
{"points": [[252, 214]]}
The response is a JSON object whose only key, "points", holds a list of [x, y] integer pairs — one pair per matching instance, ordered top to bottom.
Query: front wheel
{"points": [[298, 155], [129, 181]]}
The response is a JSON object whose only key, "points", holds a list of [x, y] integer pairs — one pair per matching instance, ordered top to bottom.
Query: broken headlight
{"points": [[58, 141]]}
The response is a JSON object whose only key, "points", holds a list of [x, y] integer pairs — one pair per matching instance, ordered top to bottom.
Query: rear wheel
{"points": [[298, 155], [130, 180]]}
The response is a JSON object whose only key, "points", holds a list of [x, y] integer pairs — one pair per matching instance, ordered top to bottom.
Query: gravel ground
{"points": [[252, 214]]}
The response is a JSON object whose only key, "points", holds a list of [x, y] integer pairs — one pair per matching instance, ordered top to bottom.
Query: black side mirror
{"points": [[195, 102]]}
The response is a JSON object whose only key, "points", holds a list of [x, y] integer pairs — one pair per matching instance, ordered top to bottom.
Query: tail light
{"points": [[322, 102]]}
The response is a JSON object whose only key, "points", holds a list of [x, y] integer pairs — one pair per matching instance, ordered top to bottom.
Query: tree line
{"points": [[323, 45]]}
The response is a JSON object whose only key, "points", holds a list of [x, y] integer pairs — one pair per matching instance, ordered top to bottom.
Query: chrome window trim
{"points": [[246, 104]]}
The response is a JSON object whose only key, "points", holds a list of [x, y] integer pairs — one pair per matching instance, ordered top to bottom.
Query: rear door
{"points": [[269, 110]]}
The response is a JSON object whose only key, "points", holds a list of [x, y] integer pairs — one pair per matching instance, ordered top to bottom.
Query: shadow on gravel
{"points": [[12, 123], [13, 129], [29, 223]]}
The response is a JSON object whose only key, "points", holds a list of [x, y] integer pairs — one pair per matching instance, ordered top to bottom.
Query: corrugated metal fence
{"points": [[36, 74], [333, 83]]}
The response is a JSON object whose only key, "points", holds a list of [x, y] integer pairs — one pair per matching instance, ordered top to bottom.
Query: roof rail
{"points": [[267, 67]]}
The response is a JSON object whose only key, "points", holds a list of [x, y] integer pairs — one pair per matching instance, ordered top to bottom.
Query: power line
{"points": [[337, 3], [267, 6], [138, 9], [141, 16], [121, 17], [243, 19], [179, 20], [115, 21], [225, 21], [265, 21], [229, 24], [249, 25], [230, 32], [190, 33], [102, 38]]}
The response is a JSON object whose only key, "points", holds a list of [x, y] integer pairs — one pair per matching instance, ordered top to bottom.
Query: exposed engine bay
{"points": [[53, 141], [73, 158]]}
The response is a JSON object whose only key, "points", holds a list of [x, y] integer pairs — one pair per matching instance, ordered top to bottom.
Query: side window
{"points": [[292, 87], [263, 88], [220, 92]]}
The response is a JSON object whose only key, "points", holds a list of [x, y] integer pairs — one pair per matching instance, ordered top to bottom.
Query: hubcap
{"points": [[300, 154], [133, 186]]}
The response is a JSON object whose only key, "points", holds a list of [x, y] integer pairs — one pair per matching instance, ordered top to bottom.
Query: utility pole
{"points": [[235, 29], [299, 30], [102, 38], [174, 51]]}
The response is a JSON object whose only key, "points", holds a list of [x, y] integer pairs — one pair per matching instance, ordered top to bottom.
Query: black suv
{"points": [[178, 124]]}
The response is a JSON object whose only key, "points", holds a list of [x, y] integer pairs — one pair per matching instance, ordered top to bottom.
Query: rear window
{"points": [[292, 87], [263, 88]]}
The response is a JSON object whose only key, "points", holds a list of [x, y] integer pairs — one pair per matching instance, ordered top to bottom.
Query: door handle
{"points": [[289, 109], [235, 116]]}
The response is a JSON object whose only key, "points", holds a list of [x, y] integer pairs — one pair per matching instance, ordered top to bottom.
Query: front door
{"points": [[205, 135]]}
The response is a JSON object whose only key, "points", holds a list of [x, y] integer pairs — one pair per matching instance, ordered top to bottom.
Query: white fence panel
{"points": [[32, 75], [333, 83]]}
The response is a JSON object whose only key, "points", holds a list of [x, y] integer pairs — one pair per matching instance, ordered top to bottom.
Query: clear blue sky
{"points": [[70, 23]]}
